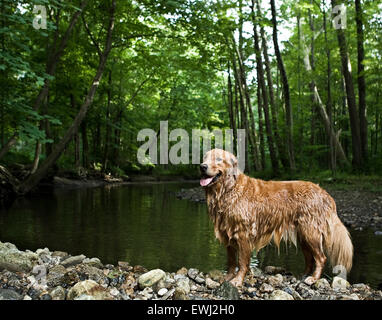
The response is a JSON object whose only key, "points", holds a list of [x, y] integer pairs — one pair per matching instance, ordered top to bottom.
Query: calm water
{"points": [[145, 224]]}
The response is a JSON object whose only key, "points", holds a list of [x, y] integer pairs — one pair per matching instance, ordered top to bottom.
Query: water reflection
{"points": [[147, 225]]}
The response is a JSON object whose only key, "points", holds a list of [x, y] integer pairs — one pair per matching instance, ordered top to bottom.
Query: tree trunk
{"points": [[55, 55], [53, 59], [361, 80], [261, 83], [243, 90], [286, 91], [350, 95], [316, 99], [329, 103], [231, 112], [108, 124], [261, 126], [76, 136], [12, 140], [279, 143], [85, 145], [36, 159], [35, 178]]}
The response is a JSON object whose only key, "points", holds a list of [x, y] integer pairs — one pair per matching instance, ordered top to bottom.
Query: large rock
{"points": [[15, 260], [72, 261], [274, 270], [56, 275], [216, 275], [150, 278], [340, 283], [321, 284], [183, 285], [89, 288], [266, 288], [227, 291], [58, 293], [8, 294], [280, 295]]}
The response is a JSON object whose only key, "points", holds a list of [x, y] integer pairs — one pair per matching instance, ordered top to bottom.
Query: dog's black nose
{"points": [[203, 167]]}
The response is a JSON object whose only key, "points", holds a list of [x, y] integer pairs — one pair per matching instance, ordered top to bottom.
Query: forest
{"points": [[80, 79]]}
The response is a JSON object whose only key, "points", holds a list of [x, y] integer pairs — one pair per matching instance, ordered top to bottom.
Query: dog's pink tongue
{"points": [[205, 181]]}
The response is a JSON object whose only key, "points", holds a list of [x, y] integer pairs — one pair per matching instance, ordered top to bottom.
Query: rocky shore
{"points": [[357, 209], [46, 275]]}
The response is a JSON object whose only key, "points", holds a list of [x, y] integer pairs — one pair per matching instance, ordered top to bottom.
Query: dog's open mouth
{"points": [[207, 180]]}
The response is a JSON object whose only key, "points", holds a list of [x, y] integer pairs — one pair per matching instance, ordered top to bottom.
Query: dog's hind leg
{"points": [[313, 248], [309, 260], [232, 262]]}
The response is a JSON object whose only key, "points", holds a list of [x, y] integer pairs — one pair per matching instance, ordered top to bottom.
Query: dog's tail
{"points": [[338, 244]]}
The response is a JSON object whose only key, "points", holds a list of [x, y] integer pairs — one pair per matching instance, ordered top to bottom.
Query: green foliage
{"points": [[169, 62]]}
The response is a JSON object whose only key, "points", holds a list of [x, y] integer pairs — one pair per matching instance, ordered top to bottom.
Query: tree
{"points": [[361, 81], [261, 83], [286, 91], [350, 95], [35, 178]]}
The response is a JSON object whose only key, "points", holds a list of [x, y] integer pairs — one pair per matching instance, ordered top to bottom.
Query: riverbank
{"points": [[358, 209], [46, 275]]}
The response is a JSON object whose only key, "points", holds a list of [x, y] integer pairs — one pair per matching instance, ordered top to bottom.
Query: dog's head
{"points": [[218, 166]]}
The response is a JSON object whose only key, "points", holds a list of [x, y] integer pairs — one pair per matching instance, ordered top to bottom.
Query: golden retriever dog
{"points": [[248, 213]]}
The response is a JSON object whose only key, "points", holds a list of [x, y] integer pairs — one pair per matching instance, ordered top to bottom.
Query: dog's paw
{"points": [[229, 276], [309, 281], [237, 282]]}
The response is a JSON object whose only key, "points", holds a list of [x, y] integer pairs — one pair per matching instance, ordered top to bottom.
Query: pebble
{"points": [[72, 261], [150, 278], [211, 284], [266, 288], [162, 292], [280, 295]]}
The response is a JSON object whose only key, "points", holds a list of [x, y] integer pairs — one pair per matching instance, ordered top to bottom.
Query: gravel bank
{"points": [[46, 275]]}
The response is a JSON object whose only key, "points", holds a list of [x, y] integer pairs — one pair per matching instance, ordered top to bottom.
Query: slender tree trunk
{"points": [[313, 66], [361, 80], [261, 82], [243, 90], [286, 91], [350, 95], [329, 103], [237, 109], [231, 111], [274, 112], [243, 113], [108, 124], [261, 126], [377, 128], [76, 136], [11, 142], [85, 145], [36, 159], [35, 178]]}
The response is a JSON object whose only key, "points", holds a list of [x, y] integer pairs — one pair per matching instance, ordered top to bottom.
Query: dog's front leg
{"points": [[244, 259], [232, 262]]}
